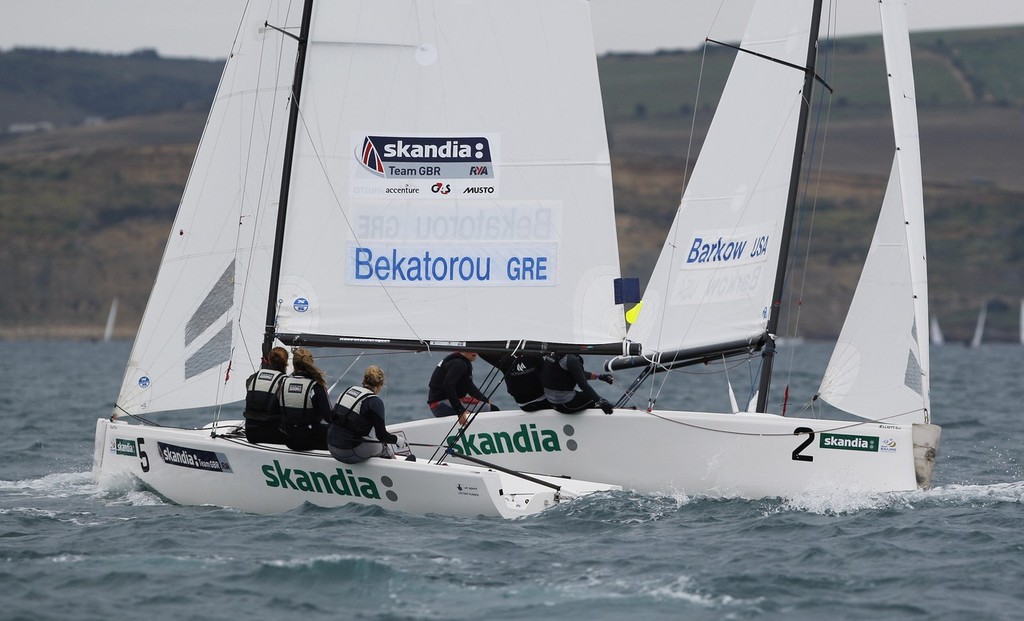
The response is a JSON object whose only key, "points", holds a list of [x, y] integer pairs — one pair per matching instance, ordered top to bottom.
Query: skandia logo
{"points": [[425, 157], [528, 439], [849, 442], [125, 447], [188, 457], [343, 482]]}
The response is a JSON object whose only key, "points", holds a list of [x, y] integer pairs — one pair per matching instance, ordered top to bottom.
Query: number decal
{"points": [[810, 438], [142, 455]]}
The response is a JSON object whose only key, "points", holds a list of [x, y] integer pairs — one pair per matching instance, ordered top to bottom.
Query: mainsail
{"points": [[445, 190], [880, 367]]}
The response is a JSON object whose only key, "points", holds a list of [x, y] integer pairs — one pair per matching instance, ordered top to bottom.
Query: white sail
{"points": [[452, 180], [714, 278], [203, 302], [979, 326], [108, 330], [936, 332], [880, 367]]}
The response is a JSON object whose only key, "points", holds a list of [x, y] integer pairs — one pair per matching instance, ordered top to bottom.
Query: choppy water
{"points": [[68, 550]]}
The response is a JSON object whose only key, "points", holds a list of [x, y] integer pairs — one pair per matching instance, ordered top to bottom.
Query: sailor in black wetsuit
{"points": [[562, 374], [522, 378], [451, 388], [305, 405], [360, 409], [262, 410]]}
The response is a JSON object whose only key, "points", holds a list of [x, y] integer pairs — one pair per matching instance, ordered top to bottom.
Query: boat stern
{"points": [[926, 446]]}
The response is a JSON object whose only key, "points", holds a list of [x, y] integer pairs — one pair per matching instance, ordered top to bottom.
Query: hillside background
{"points": [[95, 150]]}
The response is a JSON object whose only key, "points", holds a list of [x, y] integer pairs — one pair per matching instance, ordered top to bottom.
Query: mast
{"points": [[286, 177], [768, 354]]}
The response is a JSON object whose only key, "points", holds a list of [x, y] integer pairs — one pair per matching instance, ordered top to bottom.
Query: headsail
{"points": [[452, 178], [712, 285], [205, 312], [880, 368]]}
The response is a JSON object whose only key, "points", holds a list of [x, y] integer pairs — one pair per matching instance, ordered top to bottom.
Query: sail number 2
{"points": [[810, 438]]}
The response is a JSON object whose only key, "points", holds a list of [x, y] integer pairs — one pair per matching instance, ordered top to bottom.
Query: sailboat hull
{"points": [[717, 455], [193, 467]]}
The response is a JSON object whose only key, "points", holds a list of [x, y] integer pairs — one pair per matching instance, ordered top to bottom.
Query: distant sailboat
{"points": [[979, 328], [108, 332], [936, 332], [1021, 333]]}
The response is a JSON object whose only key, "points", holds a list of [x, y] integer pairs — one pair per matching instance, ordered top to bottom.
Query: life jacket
{"points": [[554, 375], [522, 378], [261, 392], [295, 395], [347, 411]]}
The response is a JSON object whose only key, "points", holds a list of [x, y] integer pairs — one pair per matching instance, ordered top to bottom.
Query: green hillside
{"points": [[87, 198]]}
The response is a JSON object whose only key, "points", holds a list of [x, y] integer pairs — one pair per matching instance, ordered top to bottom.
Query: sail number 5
{"points": [[810, 438], [143, 458]]}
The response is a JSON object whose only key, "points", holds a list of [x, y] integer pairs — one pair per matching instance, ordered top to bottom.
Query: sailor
{"points": [[562, 375], [522, 378], [451, 389], [305, 405], [359, 410], [262, 411]]}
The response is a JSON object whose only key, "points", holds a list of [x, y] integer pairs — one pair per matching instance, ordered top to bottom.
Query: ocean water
{"points": [[71, 551]]}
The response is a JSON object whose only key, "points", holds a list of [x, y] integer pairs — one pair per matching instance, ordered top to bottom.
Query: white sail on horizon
{"points": [[979, 326]]}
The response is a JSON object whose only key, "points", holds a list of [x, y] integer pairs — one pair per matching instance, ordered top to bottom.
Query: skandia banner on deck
{"points": [[418, 167]]}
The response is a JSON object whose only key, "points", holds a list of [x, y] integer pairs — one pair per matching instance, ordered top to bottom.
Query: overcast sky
{"points": [[204, 28]]}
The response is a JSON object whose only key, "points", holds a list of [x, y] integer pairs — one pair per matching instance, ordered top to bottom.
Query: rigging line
{"points": [[828, 50], [260, 196], [672, 247], [345, 372], [849, 425], [460, 455]]}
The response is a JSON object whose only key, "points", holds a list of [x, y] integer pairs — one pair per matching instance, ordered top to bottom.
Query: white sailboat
{"points": [[416, 174], [711, 296], [979, 326], [108, 330], [936, 332]]}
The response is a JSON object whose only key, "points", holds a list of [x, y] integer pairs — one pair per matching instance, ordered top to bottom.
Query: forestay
{"points": [[452, 181], [713, 281], [211, 288], [880, 368]]}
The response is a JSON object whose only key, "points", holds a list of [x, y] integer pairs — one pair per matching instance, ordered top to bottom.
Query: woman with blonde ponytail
{"points": [[305, 405], [359, 410]]}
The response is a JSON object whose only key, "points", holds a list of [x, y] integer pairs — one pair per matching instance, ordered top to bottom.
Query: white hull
{"points": [[720, 455], [189, 467]]}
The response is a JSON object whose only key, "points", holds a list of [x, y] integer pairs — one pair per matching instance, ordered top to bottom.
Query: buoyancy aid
{"points": [[554, 375], [522, 378], [261, 392], [295, 395], [347, 413]]}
